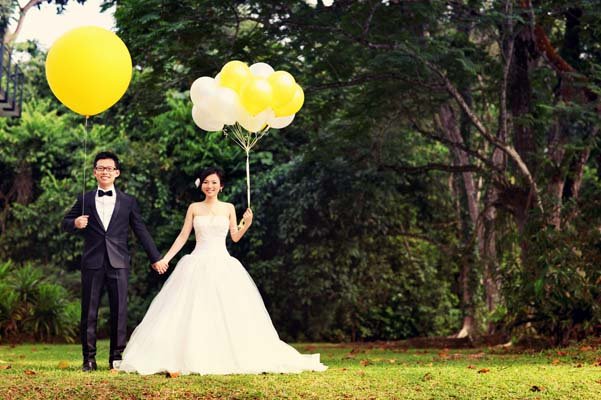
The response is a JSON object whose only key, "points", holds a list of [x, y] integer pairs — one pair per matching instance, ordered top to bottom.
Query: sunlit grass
{"points": [[356, 372]]}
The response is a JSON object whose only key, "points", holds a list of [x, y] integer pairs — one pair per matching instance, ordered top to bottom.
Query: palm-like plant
{"points": [[32, 306]]}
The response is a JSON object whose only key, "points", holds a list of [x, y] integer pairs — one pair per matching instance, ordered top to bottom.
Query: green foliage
{"points": [[342, 234], [556, 292], [9, 302], [33, 307], [53, 315]]}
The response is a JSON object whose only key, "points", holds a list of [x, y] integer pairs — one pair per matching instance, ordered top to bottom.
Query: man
{"points": [[103, 216]]}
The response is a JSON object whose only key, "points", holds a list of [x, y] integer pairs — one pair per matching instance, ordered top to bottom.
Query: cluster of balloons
{"points": [[88, 69], [255, 97]]}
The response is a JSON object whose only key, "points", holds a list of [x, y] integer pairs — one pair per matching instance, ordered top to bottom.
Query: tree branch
{"points": [[369, 19], [11, 37], [556, 61], [358, 80], [450, 143], [510, 151], [433, 166], [420, 237]]}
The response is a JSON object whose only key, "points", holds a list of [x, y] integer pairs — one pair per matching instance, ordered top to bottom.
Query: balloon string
{"points": [[246, 140], [85, 161], [247, 178]]}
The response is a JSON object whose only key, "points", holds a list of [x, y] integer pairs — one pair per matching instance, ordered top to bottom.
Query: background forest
{"points": [[442, 178]]}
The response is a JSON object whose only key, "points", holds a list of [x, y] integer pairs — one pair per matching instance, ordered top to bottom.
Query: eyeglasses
{"points": [[105, 169]]}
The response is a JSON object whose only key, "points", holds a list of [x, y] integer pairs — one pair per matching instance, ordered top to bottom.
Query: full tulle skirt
{"points": [[209, 318]]}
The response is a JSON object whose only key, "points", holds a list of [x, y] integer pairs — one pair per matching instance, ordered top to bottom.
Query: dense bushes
{"points": [[336, 250], [555, 289], [33, 307]]}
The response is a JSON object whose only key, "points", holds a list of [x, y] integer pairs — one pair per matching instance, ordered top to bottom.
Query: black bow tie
{"points": [[103, 193]]}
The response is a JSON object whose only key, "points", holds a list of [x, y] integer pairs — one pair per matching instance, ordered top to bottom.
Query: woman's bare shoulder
{"points": [[195, 207]]}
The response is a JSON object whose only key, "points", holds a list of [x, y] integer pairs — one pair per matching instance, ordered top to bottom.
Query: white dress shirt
{"points": [[105, 206]]}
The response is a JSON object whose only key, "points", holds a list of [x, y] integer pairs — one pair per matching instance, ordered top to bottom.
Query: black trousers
{"points": [[93, 282]]}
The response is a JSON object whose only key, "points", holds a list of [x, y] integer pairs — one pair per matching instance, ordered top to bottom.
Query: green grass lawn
{"points": [[34, 371]]}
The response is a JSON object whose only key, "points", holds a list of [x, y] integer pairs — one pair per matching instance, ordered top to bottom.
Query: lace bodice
{"points": [[210, 231]]}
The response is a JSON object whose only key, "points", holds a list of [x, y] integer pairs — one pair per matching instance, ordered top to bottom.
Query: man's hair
{"points": [[104, 155]]}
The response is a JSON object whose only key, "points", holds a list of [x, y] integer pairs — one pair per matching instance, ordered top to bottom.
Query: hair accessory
{"points": [[197, 182]]}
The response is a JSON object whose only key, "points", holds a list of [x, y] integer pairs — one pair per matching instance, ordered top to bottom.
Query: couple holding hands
{"points": [[208, 318]]}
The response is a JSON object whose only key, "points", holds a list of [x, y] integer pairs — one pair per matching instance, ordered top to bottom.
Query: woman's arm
{"points": [[235, 232], [183, 236]]}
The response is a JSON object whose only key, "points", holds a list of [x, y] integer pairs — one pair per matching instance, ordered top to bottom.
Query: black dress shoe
{"points": [[89, 366]]}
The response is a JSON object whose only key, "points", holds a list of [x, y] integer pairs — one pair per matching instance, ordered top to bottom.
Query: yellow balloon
{"points": [[88, 69], [234, 75], [283, 85], [256, 95], [293, 105]]}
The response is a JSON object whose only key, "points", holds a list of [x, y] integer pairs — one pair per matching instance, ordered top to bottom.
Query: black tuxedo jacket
{"points": [[98, 242]]}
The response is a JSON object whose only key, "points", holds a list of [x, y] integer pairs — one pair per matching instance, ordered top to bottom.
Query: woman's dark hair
{"points": [[103, 155], [210, 171]]}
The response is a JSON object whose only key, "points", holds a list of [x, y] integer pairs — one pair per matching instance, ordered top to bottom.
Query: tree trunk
{"points": [[519, 96], [519, 103], [450, 128], [556, 146], [576, 173], [574, 182], [23, 185], [489, 254], [468, 327]]}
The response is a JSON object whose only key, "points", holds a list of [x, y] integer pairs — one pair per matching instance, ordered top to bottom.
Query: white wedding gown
{"points": [[209, 318]]}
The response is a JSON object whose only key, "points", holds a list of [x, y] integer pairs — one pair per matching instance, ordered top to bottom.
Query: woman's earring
{"points": [[220, 190]]}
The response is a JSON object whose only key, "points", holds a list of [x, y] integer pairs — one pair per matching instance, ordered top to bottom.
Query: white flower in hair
{"points": [[197, 182]]}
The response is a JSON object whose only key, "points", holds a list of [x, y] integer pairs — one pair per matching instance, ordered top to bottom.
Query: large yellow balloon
{"points": [[88, 69], [234, 75], [284, 87], [256, 95], [293, 105]]}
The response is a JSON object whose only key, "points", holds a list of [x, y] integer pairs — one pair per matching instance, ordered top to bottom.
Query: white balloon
{"points": [[261, 69], [217, 80], [202, 88], [227, 105], [204, 110], [203, 120], [257, 122], [280, 122]]}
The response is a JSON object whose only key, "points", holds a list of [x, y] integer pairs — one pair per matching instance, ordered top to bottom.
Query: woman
{"points": [[209, 317]]}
